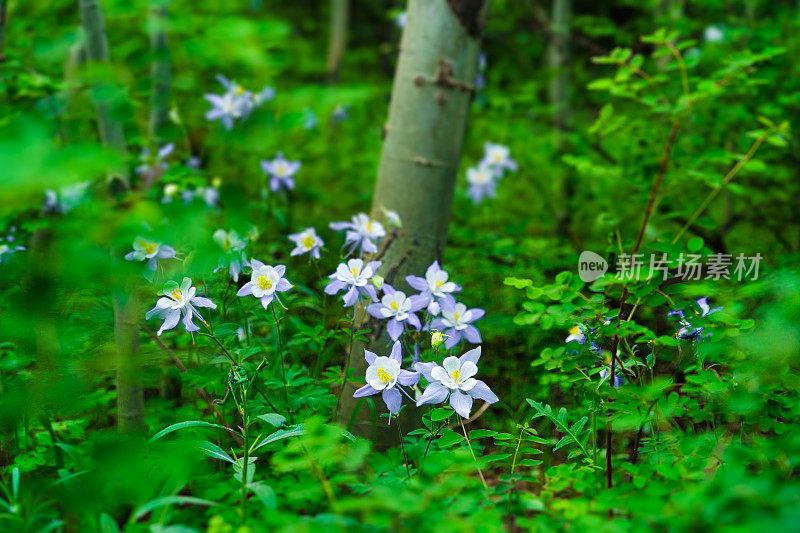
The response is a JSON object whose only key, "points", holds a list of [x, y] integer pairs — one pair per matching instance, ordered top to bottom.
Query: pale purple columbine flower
{"points": [[401, 19], [713, 34], [480, 78], [265, 95], [226, 108], [339, 113], [497, 158], [193, 162], [154, 164], [281, 172], [482, 183], [67, 198], [362, 232], [306, 242], [7, 251], [150, 251], [233, 255], [354, 276], [265, 282], [434, 286], [179, 300], [398, 309], [456, 322], [687, 332], [577, 333], [384, 375], [455, 379], [619, 379]]}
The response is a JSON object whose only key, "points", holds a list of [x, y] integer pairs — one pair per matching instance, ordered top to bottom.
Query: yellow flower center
{"points": [[239, 90], [497, 157], [281, 169], [369, 226], [308, 242], [150, 247], [354, 272], [264, 283], [439, 283], [176, 294], [394, 306], [456, 316], [574, 330], [455, 375], [384, 376]]}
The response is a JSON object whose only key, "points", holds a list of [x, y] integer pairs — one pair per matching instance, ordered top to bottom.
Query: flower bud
{"points": [[377, 281], [437, 338]]}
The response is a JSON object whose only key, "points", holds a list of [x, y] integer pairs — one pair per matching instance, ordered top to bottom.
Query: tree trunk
{"points": [[338, 40], [558, 56], [160, 69], [431, 95], [130, 396]]}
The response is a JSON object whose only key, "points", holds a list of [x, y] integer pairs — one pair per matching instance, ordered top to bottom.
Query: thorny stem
{"points": [[469, 445]]}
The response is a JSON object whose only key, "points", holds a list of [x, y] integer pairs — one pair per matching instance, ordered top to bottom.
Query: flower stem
{"points": [[347, 359], [283, 363], [469, 445], [403, 447], [246, 454]]}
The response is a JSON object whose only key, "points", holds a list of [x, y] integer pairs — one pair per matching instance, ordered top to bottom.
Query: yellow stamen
{"points": [[239, 90], [498, 157], [308, 243], [150, 247], [354, 272], [264, 283], [439, 283], [176, 294], [394, 306], [456, 316], [574, 330], [455, 375], [384, 376]]}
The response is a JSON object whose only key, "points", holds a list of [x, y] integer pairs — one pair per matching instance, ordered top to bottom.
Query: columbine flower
{"points": [[401, 20], [713, 34], [266, 94], [226, 108], [339, 113], [310, 121], [497, 157], [154, 163], [281, 172], [482, 183], [67, 198], [392, 218], [362, 231], [307, 241], [6, 250], [150, 251], [233, 252], [354, 276], [265, 282], [434, 286], [177, 301], [398, 309], [456, 322], [687, 332], [384, 375], [619, 378], [455, 379]]}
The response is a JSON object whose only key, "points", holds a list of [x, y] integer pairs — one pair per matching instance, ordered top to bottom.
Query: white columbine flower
{"points": [[497, 157], [482, 182], [361, 231], [307, 241], [150, 251], [354, 276], [265, 282], [179, 300], [398, 309], [454, 378]]}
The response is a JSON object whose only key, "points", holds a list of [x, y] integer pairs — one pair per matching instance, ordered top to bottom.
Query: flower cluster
{"points": [[236, 103], [483, 178]]}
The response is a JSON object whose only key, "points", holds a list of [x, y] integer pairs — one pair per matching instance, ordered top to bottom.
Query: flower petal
{"points": [[407, 378], [366, 390], [481, 391], [433, 394], [393, 400], [461, 403]]}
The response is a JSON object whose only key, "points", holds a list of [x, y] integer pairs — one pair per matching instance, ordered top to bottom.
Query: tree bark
{"points": [[338, 40], [160, 69], [431, 95], [130, 395]]}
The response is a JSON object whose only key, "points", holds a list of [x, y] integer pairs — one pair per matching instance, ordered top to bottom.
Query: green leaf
{"points": [[694, 244], [441, 414], [274, 419], [187, 424], [291, 431], [481, 433], [448, 438], [212, 450], [265, 494], [170, 500]]}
